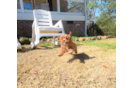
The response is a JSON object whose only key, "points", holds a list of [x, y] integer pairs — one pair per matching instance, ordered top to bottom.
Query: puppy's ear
{"points": [[70, 33], [60, 37]]}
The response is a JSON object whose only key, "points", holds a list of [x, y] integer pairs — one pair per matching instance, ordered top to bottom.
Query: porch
{"points": [[65, 10], [69, 10]]}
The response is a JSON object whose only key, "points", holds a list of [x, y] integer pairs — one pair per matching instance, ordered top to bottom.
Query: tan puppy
{"points": [[67, 45]]}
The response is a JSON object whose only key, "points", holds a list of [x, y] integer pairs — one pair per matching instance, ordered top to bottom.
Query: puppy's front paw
{"points": [[70, 52], [59, 55]]}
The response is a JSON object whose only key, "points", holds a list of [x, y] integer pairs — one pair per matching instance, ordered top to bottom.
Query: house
{"points": [[71, 12]]}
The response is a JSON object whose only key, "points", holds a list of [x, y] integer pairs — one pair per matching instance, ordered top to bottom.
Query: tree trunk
{"points": [[101, 7], [100, 10], [93, 21], [90, 22]]}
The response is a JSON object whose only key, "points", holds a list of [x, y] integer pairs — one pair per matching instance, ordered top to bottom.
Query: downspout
{"points": [[85, 18]]}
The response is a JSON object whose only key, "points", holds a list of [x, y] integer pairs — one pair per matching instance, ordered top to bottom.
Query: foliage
{"points": [[74, 6], [106, 22]]}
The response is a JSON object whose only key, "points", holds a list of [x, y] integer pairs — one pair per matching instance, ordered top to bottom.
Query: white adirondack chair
{"points": [[43, 27], [18, 44]]}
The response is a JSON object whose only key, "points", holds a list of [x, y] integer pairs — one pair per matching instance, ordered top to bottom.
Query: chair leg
{"points": [[33, 37], [54, 39], [36, 42], [18, 44], [32, 45]]}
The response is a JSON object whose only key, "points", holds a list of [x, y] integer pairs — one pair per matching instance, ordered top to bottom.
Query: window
{"points": [[18, 4], [28, 4], [36, 4], [41, 4], [54, 5], [72, 6], [69, 22]]}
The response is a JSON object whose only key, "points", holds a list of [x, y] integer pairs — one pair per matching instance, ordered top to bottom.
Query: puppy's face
{"points": [[66, 39]]}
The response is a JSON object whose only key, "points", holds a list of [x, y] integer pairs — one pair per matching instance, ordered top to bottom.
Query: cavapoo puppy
{"points": [[67, 45]]}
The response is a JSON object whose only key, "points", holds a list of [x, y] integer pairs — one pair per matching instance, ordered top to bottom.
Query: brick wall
{"points": [[24, 28], [76, 31]]}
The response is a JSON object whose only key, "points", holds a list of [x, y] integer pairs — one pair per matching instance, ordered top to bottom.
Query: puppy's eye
{"points": [[67, 38]]}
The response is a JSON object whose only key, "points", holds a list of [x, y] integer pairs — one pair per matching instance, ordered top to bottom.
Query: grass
{"points": [[75, 37], [25, 38], [29, 38], [99, 43], [46, 44], [93, 67]]}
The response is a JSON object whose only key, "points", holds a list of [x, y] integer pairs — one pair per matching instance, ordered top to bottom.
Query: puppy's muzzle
{"points": [[64, 40]]}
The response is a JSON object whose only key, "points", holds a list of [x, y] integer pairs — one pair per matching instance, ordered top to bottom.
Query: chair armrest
{"points": [[33, 24], [59, 24]]}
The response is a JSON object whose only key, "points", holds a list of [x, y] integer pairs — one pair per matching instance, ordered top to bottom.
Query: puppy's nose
{"points": [[63, 40]]}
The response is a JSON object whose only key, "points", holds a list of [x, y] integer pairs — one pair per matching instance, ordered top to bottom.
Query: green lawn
{"points": [[99, 43]]}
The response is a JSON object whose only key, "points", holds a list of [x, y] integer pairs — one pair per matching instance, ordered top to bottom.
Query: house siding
{"points": [[24, 28]]}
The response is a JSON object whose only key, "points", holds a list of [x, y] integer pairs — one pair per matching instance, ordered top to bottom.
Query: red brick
{"points": [[24, 28]]}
